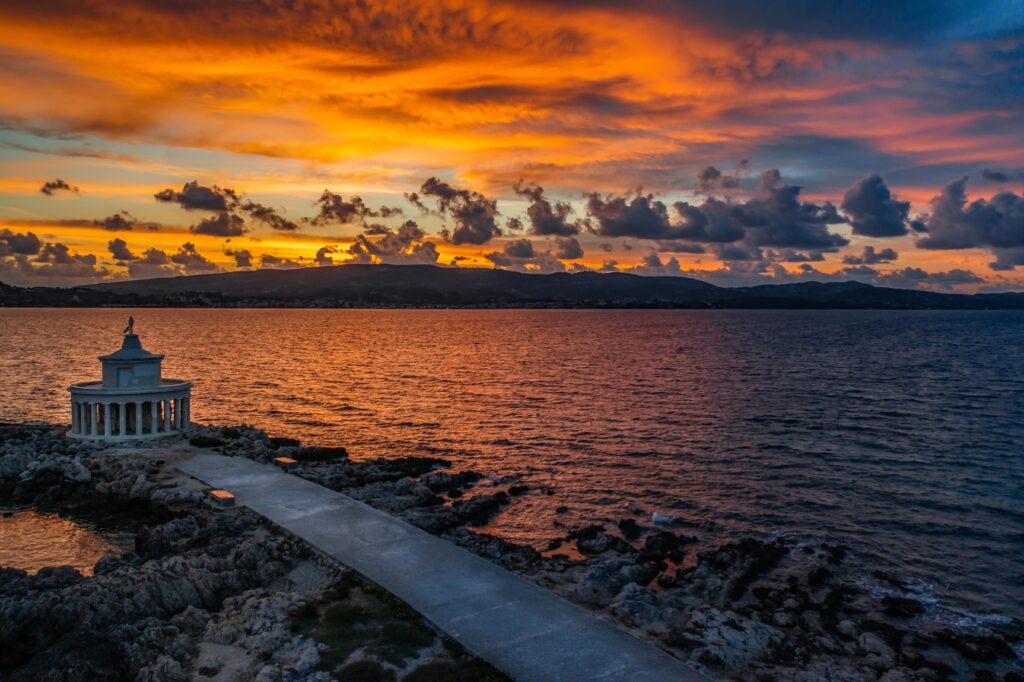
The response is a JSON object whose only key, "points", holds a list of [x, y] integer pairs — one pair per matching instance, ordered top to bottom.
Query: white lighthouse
{"points": [[132, 400]]}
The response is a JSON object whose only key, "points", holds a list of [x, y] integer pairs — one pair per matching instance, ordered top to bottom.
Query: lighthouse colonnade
{"points": [[134, 418]]}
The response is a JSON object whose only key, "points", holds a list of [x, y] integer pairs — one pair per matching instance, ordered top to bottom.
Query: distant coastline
{"points": [[423, 286]]}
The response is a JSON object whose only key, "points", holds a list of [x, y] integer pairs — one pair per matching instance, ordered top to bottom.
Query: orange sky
{"points": [[370, 99]]}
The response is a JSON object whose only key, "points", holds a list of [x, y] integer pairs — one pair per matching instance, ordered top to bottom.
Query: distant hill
{"points": [[431, 286]]}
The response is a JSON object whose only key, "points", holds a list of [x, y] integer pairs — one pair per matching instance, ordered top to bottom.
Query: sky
{"points": [[741, 142]]}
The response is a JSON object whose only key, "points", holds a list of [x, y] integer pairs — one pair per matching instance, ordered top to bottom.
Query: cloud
{"points": [[995, 175], [710, 179], [53, 186], [196, 197], [334, 209], [873, 210], [473, 213], [269, 217], [773, 217], [546, 218], [122, 220], [996, 223], [223, 224], [16, 243], [402, 246], [568, 248], [119, 250], [322, 255], [521, 255], [243, 257], [871, 257], [192, 261], [270, 261], [153, 263], [50, 264], [652, 265]]}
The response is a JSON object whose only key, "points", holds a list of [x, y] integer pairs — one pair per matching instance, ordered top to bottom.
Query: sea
{"points": [[897, 434]]}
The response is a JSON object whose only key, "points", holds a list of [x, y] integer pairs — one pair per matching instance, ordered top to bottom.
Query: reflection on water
{"points": [[896, 433], [31, 540]]}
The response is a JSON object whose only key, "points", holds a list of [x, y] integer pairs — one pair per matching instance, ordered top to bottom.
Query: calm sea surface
{"points": [[899, 434]]}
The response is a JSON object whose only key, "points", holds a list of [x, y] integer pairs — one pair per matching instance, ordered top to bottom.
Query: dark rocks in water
{"points": [[282, 442], [319, 453], [451, 484], [518, 490], [479, 509], [561, 509], [630, 529], [594, 539], [662, 545], [504, 553], [836, 553], [724, 574], [817, 576], [889, 578], [666, 580], [902, 607], [984, 648]]}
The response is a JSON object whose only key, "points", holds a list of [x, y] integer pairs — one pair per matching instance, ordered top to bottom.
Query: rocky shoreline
{"points": [[221, 595]]}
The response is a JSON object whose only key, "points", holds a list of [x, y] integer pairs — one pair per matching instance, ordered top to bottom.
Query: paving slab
{"points": [[525, 631]]}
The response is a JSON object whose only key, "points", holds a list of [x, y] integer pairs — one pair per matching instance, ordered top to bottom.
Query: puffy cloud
{"points": [[995, 175], [710, 179], [51, 187], [194, 196], [335, 209], [873, 210], [473, 213], [269, 217], [773, 217], [546, 218], [122, 220], [996, 223], [222, 224], [16, 243], [402, 246], [568, 248], [119, 250], [521, 255], [791, 256], [869, 256], [243, 257], [323, 257], [191, 260], [270, 261], [153, 263], [50, 264], [652, 265]]}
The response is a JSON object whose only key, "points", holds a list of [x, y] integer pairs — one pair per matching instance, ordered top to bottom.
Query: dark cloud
{"points": [[995, 175], [710, 179], [53, 186], [196, 197], [334, 209], [873, 210], [473, 213], [268, 216], [773, 217], [546, 218], [120, 221], [996, 223], [223, 224], [514, 224], [17, 243], [381, 244], [678, 247], [568, 248], [119, 250], [521, 255], [791, 256], [243, 257], [323, 257], [871, 257], [191, 260], [271, 261], [153, 263], [48, 264], [652, 265]]}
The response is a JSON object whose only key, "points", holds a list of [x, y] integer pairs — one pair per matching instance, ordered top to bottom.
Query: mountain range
{"points": [[358, 285]]}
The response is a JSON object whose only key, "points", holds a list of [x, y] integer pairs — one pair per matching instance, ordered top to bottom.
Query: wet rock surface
{"points": [[208, 593]]}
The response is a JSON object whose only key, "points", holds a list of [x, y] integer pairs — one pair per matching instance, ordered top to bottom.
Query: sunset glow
{"points": [[269, 104]]}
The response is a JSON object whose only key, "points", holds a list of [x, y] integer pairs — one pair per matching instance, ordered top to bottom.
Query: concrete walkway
{"points": [[525, 631]]}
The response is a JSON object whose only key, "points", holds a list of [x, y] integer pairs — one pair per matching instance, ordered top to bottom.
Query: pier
{"points": [[527, 632]]}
